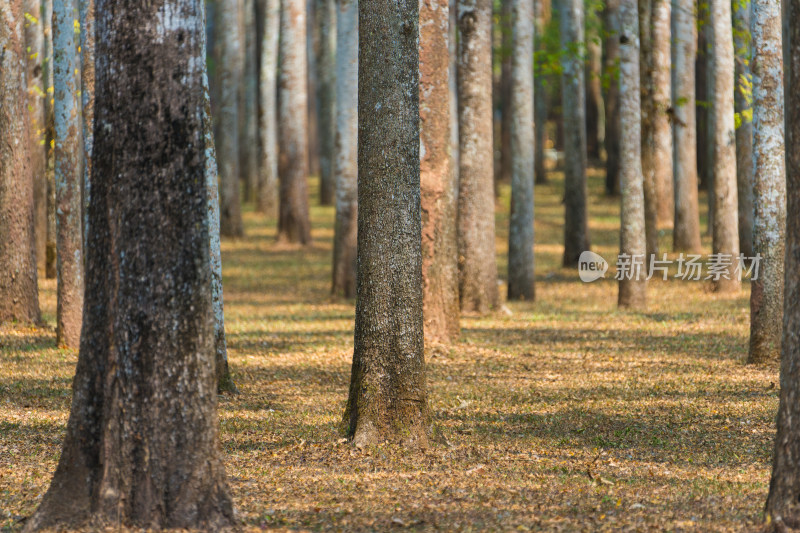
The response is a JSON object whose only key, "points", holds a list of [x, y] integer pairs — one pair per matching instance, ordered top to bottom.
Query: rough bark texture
{"points": [[86, 13], [541, 19], [34, 43], [312, 47], [230, 67], [453, 84], [502, 93], [594, 96], [326, 98], [611, 101], [248, 123], [662, 128], [744, 132], [647, 133], [68, 176], [437, 177], [267, 190], [293, 220], [726, 226], [346, 228], [769, 230], [686, 232], [520, 234], [576, 236], [50, 245], [477, 267], [632, 289], [19, 297], [388, 399], [141, 448], [783, 503]]}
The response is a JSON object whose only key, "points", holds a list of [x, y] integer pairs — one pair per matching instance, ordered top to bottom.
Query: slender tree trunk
{"points": [[86, 12], [541, 20], [312, 49], [611, 66], [230, 68], [34, 72], [453, 84], [502, 94], [326, 96], [594, 96], [703, 97], [49, 118], [248, 123], [662, 128], [744, 131], [647, 134], [346, 164], [68, 176], [437, 178], [267, 191], [293, 221], [726, 226], [686, 233], [520, 235], [576, 237], [633, 242], [477, 276], [19, 297], [766, 297], [388, 399], [142, 446], [782, 509]]}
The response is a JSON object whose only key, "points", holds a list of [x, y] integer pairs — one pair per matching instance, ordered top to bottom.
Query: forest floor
{"points": [[563, 414]]}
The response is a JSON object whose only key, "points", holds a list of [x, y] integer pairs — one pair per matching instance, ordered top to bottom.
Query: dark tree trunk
{"points": [[542, 19], [312, 48], [611, 65], [503, 95], [326, 97], [49, 119], [248, 123], [437, 179], [293, 220], [476, 247], [19, 297], [388, 399], [142, 446]]}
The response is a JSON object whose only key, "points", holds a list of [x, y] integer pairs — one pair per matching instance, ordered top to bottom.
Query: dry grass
{"points": [[567, 415]]}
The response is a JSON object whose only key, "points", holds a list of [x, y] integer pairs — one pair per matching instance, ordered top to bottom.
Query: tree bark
{"points": [[86, 13], [541, 20], [312, 47], [230, 69], [502, 94], [594, 96], [326, 97], [703, 97], [611, 101], [248, 123], [662, 128], [744, 131], [647, 133], [68, 176], [437, 178], [267, 190], [293, 221], [726, 226], [346, 228], [686, 232], [520, 236], [576, 237], [633, 242], [50, 245], [477, 275], [766, 296], [19, 297], [388, 399], [142, 447], [783, 509]]}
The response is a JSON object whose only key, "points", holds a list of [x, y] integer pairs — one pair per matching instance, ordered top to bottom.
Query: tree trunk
{"points": [[86, 13], [541, 20], [34, 42], [312, 47], [611, 60], [230, 69], [453, 84], [594, 96], [326, 97], [49, 118], [248, 123], [662, 129], [744, 132], [647, 134], [68, 176], [437, 178], [267, 190], [293, 222], [726, 225], [346, 228], [686, 233], [520, 235], [576, 238], [633, 242], [477, 276], [19, 297], [766, 297], [388, 399], [142, 447], [782, 509]]}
